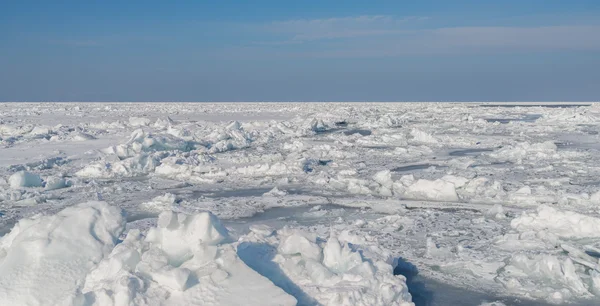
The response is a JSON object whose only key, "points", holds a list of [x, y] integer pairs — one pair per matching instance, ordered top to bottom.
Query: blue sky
{"points": [[509, 50]]}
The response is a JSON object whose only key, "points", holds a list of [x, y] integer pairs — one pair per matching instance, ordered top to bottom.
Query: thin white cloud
{"points": [[345, 27], [379, 35], [77, 43]]}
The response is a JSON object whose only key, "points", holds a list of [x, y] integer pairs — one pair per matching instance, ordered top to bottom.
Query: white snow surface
{"points": [[299, 203], [44, 260]]}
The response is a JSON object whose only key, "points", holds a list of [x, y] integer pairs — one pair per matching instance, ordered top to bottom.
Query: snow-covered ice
{"points": [[299, 203]]}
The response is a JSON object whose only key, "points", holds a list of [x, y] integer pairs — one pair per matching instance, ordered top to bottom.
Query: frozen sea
{"points": [[299, 203]]}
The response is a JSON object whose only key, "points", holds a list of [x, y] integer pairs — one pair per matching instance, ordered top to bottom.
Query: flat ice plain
{"points": [[299, 203]]}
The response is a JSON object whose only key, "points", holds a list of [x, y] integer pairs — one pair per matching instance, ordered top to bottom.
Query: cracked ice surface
{"points": [[299, 203]]}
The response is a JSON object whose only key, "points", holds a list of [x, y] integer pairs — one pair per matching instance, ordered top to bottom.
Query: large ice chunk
{"points": [[24, 179], [438, 190], [565, 224], [44, 260]]}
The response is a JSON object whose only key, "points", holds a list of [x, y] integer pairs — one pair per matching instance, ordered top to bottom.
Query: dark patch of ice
{"points": [[526, 118], [328, 131], [357, 131], [561, 145], [469, 152], [324, 162], [494, 164], [413, 167], [250, 192], [140, 215], [6, 227], [429, 292]]}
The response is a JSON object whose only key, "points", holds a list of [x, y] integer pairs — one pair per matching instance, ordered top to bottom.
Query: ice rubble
{"points": [[419, 136], [141, 141], [206, 146], [525, 151], [144, 152], [139, 156], [140, 164], [53, 183], [407, 187], [438, 190], [275, 192], [160, 203], [564, 224], [75, 258], [181, 262], [327, 273], [551, 276], [548, 277]]}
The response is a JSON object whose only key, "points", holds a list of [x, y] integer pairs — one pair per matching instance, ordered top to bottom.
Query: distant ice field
{"points": [[299, 203]]}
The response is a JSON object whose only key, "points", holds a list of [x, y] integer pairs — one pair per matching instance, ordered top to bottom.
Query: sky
{"points": [[310, 50]]}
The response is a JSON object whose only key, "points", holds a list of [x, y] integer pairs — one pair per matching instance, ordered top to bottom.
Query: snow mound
{"points": [[578, 115], [138, 121], [163, 123], [317, 125], [419, 136], [231, 137], [140, 142], [525, 151], [139, 156], [138, 165], [194, 168], [24, 179], [384, 179], [53, 183], [438, 190], [275, 192], [160, 203], [564, 224], [179, 233], [44, 260], [180, 262], [330, 273], [548, 277], [496, 303]]}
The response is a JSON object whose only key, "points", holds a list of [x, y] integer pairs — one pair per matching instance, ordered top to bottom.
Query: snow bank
{"points": [[24, 179], [564, 224], [44, 260]]}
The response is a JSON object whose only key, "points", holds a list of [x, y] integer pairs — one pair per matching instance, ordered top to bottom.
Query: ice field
{"points": [[299, 204]]}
